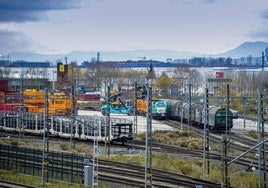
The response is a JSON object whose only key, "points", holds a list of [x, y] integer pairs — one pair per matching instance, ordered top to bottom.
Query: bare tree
{"points": [[186, 76]]}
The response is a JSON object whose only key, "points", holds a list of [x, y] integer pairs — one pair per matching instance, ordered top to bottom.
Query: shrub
{"points": [[253, 134], [14, 142], [64, 146]]}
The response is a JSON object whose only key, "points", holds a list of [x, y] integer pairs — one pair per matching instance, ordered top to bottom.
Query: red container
{"points": [[219, 74], [4, 85], [9, 107]]}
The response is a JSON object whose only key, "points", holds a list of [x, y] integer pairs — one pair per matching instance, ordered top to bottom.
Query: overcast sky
{"points": [[62, 26]]}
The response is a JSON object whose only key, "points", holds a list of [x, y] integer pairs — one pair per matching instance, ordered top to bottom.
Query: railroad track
{"points": [[238, 142], [169, 149], [186, 152], [120, 173], [135, 174], [7, 184]]}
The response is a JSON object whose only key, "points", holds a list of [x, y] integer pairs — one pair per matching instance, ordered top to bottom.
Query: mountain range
{"points": [[246, 49]]}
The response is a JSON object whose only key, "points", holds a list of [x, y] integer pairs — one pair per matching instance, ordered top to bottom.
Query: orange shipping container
{"points": [[2, 97], [34, 97], [141, 105]]}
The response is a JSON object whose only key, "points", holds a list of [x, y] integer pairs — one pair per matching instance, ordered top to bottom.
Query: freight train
{"points": [[218, 117], [79, 127]]}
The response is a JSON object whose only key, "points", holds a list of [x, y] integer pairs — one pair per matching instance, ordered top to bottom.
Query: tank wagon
{"points": [[178, 110], [80, 127]]}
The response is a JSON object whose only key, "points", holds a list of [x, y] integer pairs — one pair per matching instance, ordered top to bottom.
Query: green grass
{"points": [[35, 181]]}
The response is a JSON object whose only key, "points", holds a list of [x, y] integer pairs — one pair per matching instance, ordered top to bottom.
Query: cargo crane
{"points": [[118, 106]]}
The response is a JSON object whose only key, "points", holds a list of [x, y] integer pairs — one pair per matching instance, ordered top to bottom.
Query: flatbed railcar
{"points": [[178, 110], [80, 127]]}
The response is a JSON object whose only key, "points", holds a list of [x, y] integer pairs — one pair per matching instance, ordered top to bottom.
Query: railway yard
{"points": [[125, 164]]}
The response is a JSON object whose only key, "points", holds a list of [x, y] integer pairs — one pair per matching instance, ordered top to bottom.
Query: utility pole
{"points": [[262, 61], [22, 105], [189, 108], [135, 111], [244, 113], [108, 124], [96, 127], [72, 137], [206, 137], [261, 138], [225, 140], [148, 158], [45, 159], [148, 165]]}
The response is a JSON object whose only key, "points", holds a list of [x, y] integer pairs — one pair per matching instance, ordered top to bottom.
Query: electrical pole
{"points": [[262, 61], [22, 105], [189, 108], [135, 111], [244, 114], [108, 124], [96, 127], [72, 137], [206, 137], [261, 138], [225, 140], [45, 159], [148, 165]]}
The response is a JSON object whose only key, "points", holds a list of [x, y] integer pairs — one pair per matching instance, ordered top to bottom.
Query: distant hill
{"points": [[248, 48], [80, 56], [33, 57]]}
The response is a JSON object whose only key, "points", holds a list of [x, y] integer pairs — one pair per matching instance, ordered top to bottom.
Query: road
{"points": [[141, 121]]}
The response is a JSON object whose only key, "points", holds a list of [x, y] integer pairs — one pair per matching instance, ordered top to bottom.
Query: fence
{"points": [[62, 165]]}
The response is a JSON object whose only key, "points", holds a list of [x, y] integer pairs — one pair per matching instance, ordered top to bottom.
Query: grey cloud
{"points": [[196, 1], [209, 1], [32, 10], [264, 14], [262, 32], [16, 41]]}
